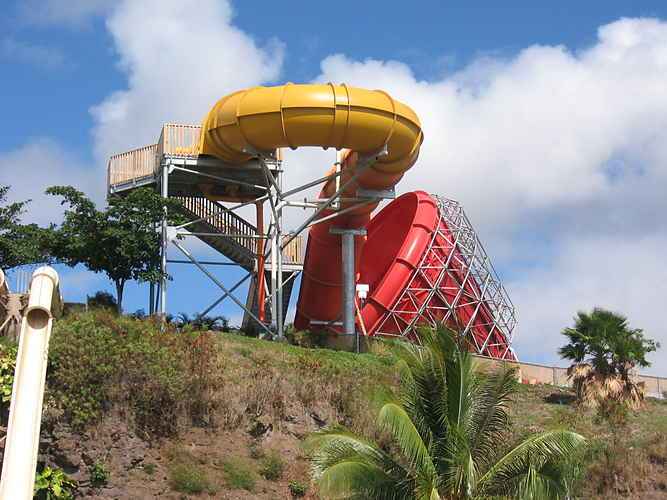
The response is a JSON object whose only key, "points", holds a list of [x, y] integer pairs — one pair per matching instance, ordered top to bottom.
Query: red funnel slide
{"points": [[417, 274]]}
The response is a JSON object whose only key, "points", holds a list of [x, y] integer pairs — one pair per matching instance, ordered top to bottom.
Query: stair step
{"points": [[221, 220]]}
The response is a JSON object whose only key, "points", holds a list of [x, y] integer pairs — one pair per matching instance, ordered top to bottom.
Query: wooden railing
{"points": [[179, 139], [183, 140], [143, 162], [132, 165], [238, 229], [293, 252]]}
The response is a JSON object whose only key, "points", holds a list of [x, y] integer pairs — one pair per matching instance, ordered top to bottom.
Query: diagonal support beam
{"points": [[365, 163], [217, 282], [225, 295]]}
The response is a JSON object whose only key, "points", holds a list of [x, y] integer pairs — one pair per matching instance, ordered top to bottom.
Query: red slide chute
{"points": [[424, 265]]}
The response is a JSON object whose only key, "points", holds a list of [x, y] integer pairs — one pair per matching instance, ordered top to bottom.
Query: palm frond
{"points": [[415, 400], [490, 417], [393, 419], [330, 447], [339, 459], [533, 463], [459, 472], [360, 480], [537, 485]]}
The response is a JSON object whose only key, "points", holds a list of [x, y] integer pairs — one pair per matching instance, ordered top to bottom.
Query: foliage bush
{"points": [[102, 300], [205, 323], [306, 338], [98, 359], [7, 365], [272, 466], [149, 468], [99, 475], [239, 475], [189, 478], [53, 484], [297, 489]]}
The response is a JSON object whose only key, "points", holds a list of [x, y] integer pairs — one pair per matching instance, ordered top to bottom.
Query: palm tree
{"points": [[604, 351], [447, 429]]}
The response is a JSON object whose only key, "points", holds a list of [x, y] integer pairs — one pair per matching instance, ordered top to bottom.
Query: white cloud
{"points": [[73, 13], [37, 55], [179, 60], [560, 159], [41, 163], [622, 275]]}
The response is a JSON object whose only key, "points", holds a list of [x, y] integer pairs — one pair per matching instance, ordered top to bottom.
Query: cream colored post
{"points": [[4, 289], [25, 411]]}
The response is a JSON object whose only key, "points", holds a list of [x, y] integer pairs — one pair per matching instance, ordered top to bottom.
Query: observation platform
{"points": [[173, 167], [193, 175]]}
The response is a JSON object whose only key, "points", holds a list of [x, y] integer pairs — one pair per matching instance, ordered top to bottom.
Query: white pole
{"points": [[164, 244], [25, 411]]}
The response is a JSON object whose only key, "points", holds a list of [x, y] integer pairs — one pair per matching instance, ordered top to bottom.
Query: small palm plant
{"points": [[604, 351], [448, 429]]}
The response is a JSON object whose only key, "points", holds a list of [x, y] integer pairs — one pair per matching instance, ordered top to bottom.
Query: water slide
{"points": [[361, 122], [25, 410]]}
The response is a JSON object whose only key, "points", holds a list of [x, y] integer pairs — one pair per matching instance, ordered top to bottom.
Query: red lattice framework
{"points": [[455, 283]]}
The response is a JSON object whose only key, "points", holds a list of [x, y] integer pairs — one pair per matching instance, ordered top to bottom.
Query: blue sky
{"points": [[545, 121]]}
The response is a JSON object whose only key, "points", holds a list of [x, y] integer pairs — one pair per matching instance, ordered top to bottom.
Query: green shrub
{"points": [[102, 300], [306, 338], [99, 359], [7, 367], [272, 466], [149, 468], [99, 475], [238, 475], [189, 478], [53, 484], [297, 489]]}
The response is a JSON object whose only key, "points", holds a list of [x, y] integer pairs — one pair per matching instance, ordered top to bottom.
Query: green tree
{"points": [[120, 241], [19, 244], [604, 351], [447, 429]]}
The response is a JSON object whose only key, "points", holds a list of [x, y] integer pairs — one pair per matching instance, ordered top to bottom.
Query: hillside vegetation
{"points": [[133, 412]]}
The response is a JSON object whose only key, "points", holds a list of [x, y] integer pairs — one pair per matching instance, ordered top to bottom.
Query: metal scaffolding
{"points": [[269, 257], [455, 274]]}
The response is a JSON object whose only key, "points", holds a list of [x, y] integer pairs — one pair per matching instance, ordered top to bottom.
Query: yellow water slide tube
{"points": [[329, 116]]}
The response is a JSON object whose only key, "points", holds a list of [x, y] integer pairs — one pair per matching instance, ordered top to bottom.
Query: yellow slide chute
{"points": [[329, 116]]}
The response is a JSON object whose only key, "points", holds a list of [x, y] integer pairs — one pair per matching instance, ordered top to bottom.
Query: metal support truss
{"points": [[170, 234], [277, 239], [455, 279]]}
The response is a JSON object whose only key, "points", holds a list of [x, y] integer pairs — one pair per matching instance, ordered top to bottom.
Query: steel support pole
{"points": [[164, 241], [279, 278], [349, 279], [274, 280], [225, 295], [151, 299], [261, 313], [280, 321]]}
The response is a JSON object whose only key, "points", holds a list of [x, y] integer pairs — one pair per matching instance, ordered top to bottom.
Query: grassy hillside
{"points": [[135, 413]]}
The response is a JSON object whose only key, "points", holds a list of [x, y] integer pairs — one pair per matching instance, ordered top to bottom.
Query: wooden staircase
{"points": [[236, 235], [232, 236]]}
